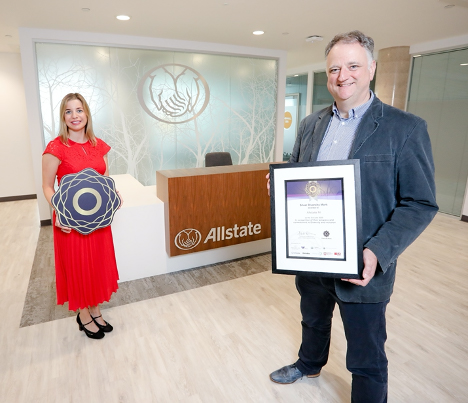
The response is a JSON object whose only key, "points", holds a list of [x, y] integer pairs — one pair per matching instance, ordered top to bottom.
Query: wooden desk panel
{"points": [[226, 205]]}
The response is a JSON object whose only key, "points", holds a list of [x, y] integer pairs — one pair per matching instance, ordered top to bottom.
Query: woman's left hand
{"points": [[121, 199], [67, 230]]}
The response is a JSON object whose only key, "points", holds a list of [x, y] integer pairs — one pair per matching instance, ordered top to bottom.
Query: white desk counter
{"points": [[139, 238]]}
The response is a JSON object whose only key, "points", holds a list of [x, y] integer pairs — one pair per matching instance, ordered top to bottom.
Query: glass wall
{"points": [[439, 94], [321, 97], [163, 109], [295, 110]]}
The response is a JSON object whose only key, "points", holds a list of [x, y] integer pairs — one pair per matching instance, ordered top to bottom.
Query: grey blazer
{"points": [[397, 186]]}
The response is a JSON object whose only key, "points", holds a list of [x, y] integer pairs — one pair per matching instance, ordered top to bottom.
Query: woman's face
{"points": [[75, 116]]}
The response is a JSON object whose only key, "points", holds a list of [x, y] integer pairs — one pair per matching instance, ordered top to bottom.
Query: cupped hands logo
{"points": [[173, 93], [86, 201], [187, 239]]}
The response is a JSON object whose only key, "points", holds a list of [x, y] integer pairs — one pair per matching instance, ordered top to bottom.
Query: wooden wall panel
{"points": [[226, 205]]}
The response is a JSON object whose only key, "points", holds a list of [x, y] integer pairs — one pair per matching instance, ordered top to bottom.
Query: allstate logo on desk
{"points": [[187, 239]]}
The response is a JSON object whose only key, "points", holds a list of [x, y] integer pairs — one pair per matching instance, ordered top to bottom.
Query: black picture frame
{"points": [[307, 199]]}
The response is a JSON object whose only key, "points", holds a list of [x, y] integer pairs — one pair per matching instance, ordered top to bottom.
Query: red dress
{"points": [[85, 267]]}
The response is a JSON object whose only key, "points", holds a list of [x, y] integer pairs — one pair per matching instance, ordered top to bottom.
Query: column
{"points": [[391, 83]]}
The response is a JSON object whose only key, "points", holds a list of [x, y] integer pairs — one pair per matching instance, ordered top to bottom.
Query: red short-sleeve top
{"points": [[78, 156]]}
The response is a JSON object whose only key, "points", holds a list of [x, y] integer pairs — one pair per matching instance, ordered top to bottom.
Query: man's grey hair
{"points": [[353, 37]]}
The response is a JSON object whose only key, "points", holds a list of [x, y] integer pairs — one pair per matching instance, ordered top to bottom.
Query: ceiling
{"points": [[286, 23]]}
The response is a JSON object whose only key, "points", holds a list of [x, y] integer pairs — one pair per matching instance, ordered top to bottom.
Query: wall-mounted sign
{"points": [[173, 93], [288, 120], [290, 123]]}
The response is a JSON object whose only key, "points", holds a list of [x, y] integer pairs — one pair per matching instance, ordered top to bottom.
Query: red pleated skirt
{"points": [[85, 267]]}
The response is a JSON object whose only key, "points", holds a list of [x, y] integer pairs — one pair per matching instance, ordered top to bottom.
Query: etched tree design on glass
{"points": [[59, 76], [254, 119], [126, 131]]}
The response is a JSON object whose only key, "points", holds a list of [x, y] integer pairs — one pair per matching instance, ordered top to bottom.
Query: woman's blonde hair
{"points": [[63, 133]]}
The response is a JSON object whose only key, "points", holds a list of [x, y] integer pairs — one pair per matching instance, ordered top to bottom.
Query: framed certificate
{"points": [[316, 218]]}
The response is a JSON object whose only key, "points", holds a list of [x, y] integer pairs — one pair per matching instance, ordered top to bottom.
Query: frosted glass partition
{"points": [[298, 85], [439, 94], [321, 97], [296, 101], [164, 109]]}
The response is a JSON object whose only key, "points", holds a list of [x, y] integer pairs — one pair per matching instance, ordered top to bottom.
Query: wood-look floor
{"points": [[219, 343]]}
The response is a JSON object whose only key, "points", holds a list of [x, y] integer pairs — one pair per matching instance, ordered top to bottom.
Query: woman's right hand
{"points": [[50, 164], [66, 230]]}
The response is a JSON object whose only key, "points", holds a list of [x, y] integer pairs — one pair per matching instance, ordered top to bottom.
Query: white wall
{"points": [[16, 169]]}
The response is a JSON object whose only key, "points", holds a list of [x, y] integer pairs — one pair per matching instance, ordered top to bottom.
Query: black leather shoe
{"points": [[105, 328], [92, 335], [289, 374]]}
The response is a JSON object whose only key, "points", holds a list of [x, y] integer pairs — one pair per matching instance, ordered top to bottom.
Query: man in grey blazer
{"points": [[398, 202]]}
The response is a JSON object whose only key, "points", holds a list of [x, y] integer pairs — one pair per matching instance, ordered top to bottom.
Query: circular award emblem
{"points": [[173, 93], [312, 189], [87, 191], [86, 201], [326, 234], [187, 239]]}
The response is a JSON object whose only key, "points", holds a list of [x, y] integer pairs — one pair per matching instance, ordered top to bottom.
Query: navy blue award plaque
{"points": [[86, 201]]}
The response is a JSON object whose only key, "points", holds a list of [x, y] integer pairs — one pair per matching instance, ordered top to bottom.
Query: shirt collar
{"points": [[357, 112]]}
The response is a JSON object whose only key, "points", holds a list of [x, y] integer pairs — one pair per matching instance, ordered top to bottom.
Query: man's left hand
{"points": [[370, 265]]}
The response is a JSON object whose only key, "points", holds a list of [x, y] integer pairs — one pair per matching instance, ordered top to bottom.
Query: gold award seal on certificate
{"points": [[313, 189]]}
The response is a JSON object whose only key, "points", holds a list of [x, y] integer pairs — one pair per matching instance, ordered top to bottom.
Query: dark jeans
{"points": [[364, 326]]}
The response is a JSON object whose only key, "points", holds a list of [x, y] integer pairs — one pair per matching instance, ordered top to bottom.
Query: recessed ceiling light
{"points": [[449, 6], [85, 9], [123, 17], [258, 32], [314, 38], [416, 55], [464, 64], [296, 75]]}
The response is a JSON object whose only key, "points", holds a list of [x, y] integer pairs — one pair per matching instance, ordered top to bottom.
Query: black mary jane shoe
{"points": [[105, 328], [92, 335]]}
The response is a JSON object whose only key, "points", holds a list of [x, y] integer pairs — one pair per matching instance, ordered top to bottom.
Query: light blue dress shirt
{"points": [[339, 138]]}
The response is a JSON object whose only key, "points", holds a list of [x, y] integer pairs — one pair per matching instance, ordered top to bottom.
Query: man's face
{"points": [[349, 74]]}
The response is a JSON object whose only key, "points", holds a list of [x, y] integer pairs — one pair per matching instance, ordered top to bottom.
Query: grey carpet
{"points": [[40, 304]]}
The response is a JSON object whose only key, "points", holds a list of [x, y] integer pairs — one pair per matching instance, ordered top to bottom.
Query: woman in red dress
{"points": [[85, 266]]}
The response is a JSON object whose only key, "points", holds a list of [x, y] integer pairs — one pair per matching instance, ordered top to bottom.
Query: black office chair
{"points": [[218, 159]]}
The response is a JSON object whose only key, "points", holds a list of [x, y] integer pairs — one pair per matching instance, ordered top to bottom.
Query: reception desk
{"points": [[208, 208], [140, 226]]}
